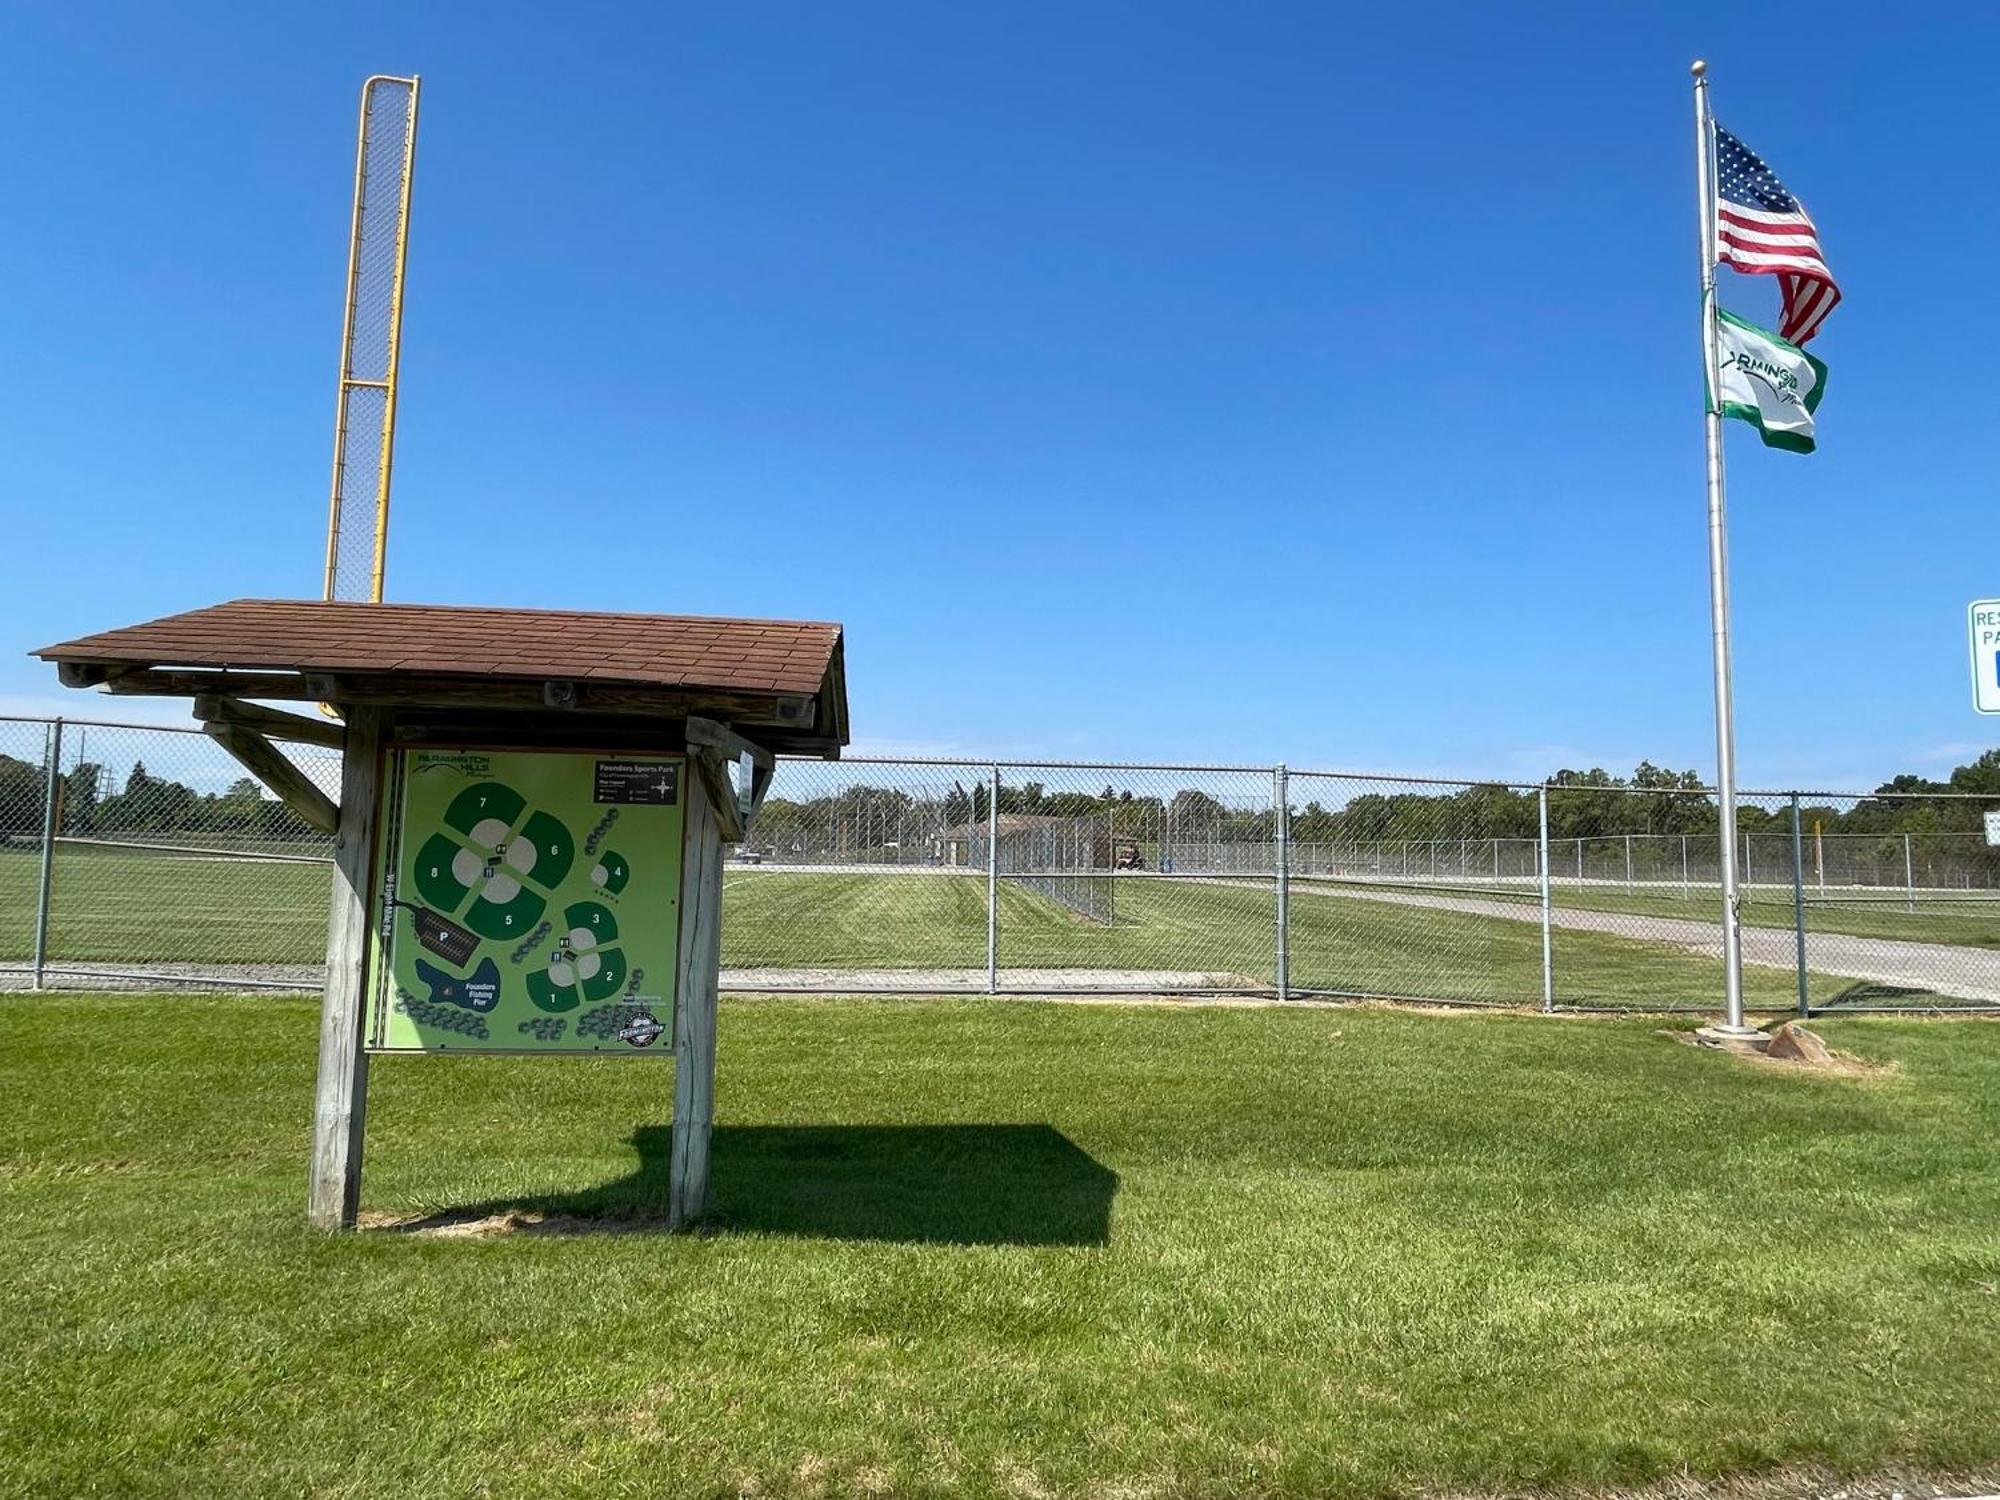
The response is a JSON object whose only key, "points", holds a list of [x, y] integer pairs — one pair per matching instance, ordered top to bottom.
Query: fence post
{"points": [[51, 811], [1281, 832], [1628, 864], [1909, 876], [993, 885], [1799, 903], [1548, 943]]}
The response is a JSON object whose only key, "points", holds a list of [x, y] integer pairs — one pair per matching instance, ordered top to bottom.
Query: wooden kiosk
{"points": [[473, 910]]}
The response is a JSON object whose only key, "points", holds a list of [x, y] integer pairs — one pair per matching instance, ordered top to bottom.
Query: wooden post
{"points": [[694, 1008], [340, 1106]]}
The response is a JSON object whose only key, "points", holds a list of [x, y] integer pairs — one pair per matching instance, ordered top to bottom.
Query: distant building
{"points": [[1028, 841]]}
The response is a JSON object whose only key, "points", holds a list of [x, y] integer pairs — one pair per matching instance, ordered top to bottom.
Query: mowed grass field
{"points": [[110, 905], [114, 906], [124, 908], [1349, 945], [989, 1248]]}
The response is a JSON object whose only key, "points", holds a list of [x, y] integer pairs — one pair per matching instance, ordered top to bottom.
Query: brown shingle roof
{"points": [[780, 657]]}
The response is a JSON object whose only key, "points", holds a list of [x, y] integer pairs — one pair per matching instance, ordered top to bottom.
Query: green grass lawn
{"points": [[114, 906], [125, 908], [1341, 944], [988, 1248]]}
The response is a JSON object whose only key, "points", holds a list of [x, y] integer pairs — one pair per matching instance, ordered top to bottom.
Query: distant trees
{"points": [[22, 794], [1583, 804], [1595, 804], [148, 805], [1476, 812]]}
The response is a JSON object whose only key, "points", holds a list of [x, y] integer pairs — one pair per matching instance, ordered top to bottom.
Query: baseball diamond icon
{"points": [[497, 853], [580, 967]]}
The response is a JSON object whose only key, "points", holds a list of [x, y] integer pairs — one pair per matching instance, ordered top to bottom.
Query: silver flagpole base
{"points": [[1729, 1038]]}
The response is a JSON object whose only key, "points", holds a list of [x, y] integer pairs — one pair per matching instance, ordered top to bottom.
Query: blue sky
{"points": [[1143, 382]]}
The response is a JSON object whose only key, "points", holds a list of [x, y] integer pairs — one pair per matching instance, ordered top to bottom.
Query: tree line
{"points": [[145, 804], [1582, 804]]}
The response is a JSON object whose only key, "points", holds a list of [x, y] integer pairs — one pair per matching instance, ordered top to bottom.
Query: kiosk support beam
{"points": [[273, 723], [266, 761], [758, 765], [713, 773], [694, 1015], [340, 1103]]}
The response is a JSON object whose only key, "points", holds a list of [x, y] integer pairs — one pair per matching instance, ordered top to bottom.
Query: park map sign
{"points": [[529, 902]]}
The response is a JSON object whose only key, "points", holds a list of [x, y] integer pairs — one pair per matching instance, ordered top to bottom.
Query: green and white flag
{"points": [[1768, 382]]}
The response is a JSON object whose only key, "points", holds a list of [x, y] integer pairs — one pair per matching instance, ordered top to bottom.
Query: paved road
{"points": [[1952, 969]]}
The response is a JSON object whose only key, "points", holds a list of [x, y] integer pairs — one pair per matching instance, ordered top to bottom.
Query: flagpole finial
{"points": [[1698, 68]]}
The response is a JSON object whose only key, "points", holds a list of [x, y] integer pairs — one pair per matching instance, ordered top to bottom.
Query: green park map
{"points": [[528, 901]]}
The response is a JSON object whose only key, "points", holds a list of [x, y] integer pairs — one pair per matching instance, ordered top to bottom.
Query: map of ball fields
{"points": [[529, 901]]}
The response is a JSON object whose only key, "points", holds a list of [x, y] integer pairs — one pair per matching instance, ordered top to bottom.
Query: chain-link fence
{"points": [[364, 433], [131, 852], [147, 855]]}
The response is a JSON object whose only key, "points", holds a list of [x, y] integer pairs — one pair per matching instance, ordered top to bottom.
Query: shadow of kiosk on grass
{"points": [[927, 1184], [942, 1184]]}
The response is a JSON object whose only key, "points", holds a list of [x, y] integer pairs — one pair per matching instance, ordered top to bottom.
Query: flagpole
{"points": [[1732, 1026]]}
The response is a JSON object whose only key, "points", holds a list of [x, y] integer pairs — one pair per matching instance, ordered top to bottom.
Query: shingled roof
{"points": [[348, 652]]}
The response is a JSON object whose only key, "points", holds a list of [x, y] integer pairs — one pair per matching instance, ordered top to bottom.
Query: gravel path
{"points": [[277, 978], [295, 978], [973, 981]]}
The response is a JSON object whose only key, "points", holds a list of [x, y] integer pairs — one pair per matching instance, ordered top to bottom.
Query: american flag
{"points": [[1761, 228]]}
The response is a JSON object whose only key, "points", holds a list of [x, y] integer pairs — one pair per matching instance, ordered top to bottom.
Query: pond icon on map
{"points": [[479, 993]]}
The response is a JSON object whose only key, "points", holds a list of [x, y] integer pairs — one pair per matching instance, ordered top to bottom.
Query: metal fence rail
{"points": [[138, 855]]}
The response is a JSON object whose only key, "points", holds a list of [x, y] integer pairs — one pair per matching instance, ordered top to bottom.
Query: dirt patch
{"points": [[1794, 1049], [480, 1224]]}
